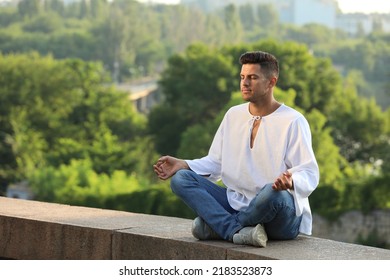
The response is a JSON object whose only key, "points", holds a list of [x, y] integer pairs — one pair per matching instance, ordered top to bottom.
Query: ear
{"points": [[272, 81]]}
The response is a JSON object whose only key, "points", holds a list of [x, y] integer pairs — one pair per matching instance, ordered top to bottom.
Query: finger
{"points": [[163, 159], [159, 163], [157, 168], [159, 171], [163, 176], [288, 176], [280, 183], [283, 183], [276, 185]]}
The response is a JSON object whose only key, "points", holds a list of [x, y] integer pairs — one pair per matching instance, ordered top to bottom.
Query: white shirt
{"points": [[283, 142]]}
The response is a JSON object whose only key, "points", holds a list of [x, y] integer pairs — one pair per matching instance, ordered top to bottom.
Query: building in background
{"points": [[314, 11], [301, 12]]}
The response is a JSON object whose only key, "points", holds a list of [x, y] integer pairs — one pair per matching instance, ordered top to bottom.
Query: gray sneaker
{"points": [[200, 230], [255, 236]]}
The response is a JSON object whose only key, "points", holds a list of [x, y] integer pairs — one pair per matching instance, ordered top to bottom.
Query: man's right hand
{"points": [[167, 166]]}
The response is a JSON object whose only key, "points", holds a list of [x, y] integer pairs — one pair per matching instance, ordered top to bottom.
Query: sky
{"points": [[346, 6], [364, 6]]}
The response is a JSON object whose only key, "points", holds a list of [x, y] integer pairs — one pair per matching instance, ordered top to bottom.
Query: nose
{"points": [[245, 81]]}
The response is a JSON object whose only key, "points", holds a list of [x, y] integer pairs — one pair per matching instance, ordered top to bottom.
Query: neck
{"points": [[263, 109]]}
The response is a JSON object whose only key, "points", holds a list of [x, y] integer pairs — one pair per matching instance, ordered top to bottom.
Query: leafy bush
{"points": [[77, 184], [156, 201], [325, 201]]}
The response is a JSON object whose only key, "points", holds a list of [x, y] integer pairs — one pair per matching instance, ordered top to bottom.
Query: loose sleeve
{"points": [[302, 162], [206, 166]]}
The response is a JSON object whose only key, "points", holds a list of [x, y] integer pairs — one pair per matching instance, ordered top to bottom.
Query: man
{"points": [[263, 153]]}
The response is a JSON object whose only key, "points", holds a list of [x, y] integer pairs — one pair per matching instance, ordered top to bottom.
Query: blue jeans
{"points": [[274, 209]]}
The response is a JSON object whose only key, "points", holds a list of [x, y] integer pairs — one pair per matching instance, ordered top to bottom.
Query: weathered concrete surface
{"points": [[38, 230]]}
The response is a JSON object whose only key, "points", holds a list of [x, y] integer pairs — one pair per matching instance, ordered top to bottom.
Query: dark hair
{"points": [[268, 63]]}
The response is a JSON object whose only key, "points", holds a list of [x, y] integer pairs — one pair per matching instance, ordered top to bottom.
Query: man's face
{"points": [[254, 85]]}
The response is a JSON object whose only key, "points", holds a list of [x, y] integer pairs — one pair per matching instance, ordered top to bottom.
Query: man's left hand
{"points": [[283, 182]]}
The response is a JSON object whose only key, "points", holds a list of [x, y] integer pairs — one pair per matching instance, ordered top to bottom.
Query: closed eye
{"points": [[251, 77]]}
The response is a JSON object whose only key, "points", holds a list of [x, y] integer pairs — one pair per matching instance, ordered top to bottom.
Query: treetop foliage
{"points": [[77, 139]]}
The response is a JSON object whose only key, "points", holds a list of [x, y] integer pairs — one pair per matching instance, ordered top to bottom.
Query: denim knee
{"points": [[178, 179], [269, 195]]}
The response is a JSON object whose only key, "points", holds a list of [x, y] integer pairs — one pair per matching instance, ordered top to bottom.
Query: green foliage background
{"points": [[66, 129]]}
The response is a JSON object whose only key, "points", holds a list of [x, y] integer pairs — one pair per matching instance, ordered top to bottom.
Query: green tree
{"points": [[57, 6], [30, 8], [98, 8], [84, 9], [8, 16], [267, 16], [247, 17], [232, 22], [45, 23], [312, 34], [111, 36], [118, 37], [78, 44], [314, 80], [196, 86], [55, 111], [359, 125], [197, 138], [26, 144], [332, 163], [78, 183]]}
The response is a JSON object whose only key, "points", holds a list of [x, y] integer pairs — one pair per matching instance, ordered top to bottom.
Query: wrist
{"points": [[184, 165]]}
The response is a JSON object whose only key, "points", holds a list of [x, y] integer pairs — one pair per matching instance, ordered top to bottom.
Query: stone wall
{"points": [[354, 225], [32, 230]]}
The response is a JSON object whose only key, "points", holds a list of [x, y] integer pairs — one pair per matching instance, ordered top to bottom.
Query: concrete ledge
{"points": [[47, 231]]}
